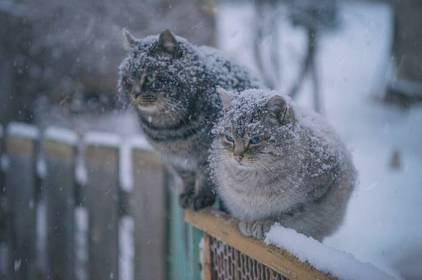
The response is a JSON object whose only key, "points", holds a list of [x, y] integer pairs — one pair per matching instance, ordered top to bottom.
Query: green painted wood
{"points": [[194, 240], [178, 251]]}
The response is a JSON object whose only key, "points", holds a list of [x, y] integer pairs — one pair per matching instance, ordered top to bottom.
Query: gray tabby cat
{"points": [[172, 85], [273, 162]]}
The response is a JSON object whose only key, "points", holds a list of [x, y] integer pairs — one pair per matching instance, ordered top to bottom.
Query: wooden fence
{"points": [[95, 207], [69, 209]]}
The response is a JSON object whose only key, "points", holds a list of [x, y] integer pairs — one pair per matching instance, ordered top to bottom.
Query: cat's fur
{"points": [[172, 85], [273, 162]]}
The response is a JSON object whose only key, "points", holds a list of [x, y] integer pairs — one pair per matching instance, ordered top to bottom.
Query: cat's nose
{"points": [[238, 157]]}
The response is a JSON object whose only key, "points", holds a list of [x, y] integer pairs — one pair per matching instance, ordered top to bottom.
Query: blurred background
{"points": [[359, 63]]}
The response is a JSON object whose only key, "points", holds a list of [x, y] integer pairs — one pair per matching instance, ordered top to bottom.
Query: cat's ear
{"points": [[129, 40], [167, 41], [226, 97], [280, 110]]}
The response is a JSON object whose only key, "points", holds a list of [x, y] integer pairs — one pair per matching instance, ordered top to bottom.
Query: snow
{"points": [[22, 130], [61, 135], [102, 139], [140, 142], [4, 163], [41, 166], [80, 168], [126, 169], [383, 224], [41, 230], [81, 243], [126, 248], [339, 264]]}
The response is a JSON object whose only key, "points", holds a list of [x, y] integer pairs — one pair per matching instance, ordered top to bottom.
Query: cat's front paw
{"points": [[186, 199], [203, 200], [196, 201], [255, 229]]}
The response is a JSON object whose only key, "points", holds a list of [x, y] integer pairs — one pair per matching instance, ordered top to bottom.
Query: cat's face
{"points": [[152, 77], [252, 131]]}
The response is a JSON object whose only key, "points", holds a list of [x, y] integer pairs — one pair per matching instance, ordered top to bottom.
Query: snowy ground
{"points": [[383, 224]]}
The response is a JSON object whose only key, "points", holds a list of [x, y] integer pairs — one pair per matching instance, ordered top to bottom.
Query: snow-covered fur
{"points": [[172, 85], [274, 162]]}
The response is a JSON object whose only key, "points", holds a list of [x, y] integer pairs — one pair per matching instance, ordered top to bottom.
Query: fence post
{"points": [[20, 191], [59, 192], [102, 193], [149, 213], [3, 217], [194, 237], [178, 263]]}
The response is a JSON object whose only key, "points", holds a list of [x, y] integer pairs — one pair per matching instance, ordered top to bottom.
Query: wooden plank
{"points": [[59, 194], [102, 204], [3, 209], [40, 211], [149, 213], [21, 215], [224, 229], [194, 239], [206, 259], [178, 265]]}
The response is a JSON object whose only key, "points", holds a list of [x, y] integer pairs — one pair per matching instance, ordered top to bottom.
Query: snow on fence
{"points": [[96, 207], [286, 254], [229, 255]]}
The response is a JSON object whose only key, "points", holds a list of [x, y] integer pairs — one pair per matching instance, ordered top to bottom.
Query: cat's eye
{"points": [[149, 80], [128, 82], [228, 138], [255, 140]]}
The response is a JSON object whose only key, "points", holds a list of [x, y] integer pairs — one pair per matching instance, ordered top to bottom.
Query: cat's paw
{"points": [[186, 199], [203, 200], [196, 201], [255, 229]]}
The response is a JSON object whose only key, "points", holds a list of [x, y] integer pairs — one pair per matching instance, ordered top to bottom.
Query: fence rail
{"points": [[228, 255]]}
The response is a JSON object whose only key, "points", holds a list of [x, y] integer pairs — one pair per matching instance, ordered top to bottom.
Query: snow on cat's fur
{"points": [[172, 83], [274, 162]]}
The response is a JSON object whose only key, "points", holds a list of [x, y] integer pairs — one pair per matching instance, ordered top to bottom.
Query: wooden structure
{"points": [[94, 207], [69, 209], [229, 255]]}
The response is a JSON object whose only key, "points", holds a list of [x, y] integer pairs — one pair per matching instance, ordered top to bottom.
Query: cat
{"points": [[171, 84], [275, 162]]}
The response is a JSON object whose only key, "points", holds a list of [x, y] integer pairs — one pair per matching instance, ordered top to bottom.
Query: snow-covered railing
{"points": [[285, 254], [229, 255]]}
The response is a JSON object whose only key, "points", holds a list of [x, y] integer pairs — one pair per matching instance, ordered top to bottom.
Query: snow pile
{"points": [[22, 130], [61, 135], [102, 139], [337, 263]]}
